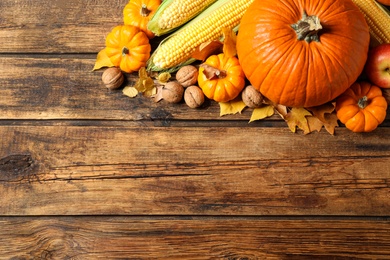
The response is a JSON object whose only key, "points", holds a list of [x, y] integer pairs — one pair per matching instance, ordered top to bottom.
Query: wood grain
{"points": [[57, 26], [66, 88], [71, 170], [192, 238]]}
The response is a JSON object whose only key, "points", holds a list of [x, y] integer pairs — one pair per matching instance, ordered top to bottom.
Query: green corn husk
{"points": [[157, 24]]}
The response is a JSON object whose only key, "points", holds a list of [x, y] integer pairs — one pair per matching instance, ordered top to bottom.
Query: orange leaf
{"points": [[229, 43], [207, 49], [102, 60]]}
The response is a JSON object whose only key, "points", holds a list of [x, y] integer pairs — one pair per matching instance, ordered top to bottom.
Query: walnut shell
{"points": [[187, 75], [113, 78], [172, 92], [193, 96], [252, 97]]}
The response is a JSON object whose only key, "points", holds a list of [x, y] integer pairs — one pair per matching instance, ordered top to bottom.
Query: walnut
{"points": [[187, 75], [113, 78], [172, 92], [193, 96], [252, 97]]}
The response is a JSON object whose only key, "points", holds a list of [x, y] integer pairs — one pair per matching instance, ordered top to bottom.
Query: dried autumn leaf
{"points": [[229, 42], [207, 49], [102, 60], [212, 73], [163, 77], [144, 82], [130, 91], [150, 92], [158, 96], [231, 107], [321, 111], [261, 113], [296, 117], [331, 122], [314, 124]]}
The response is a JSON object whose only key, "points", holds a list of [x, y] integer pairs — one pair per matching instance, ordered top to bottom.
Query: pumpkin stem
{"points": [[145, 11], [307, 28], [125, 51], [220, 74], [363, 102]]}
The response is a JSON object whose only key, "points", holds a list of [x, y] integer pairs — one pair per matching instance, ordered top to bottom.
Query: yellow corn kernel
{"points": [[181, 11], [377, 18], [179, 47]]}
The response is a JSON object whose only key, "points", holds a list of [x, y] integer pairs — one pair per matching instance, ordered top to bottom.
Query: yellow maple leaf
{"points": [[102, 60], [231, 107], [261, 113], [296, 117]]}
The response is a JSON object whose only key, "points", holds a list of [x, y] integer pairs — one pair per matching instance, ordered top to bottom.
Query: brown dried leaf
{"points": [[207, 49], [210, 72], [158, 96], [321, 111], [296, 117], [331, 122], [314, 124]]}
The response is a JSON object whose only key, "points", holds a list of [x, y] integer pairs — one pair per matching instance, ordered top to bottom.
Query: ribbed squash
{"points": [[302, 53]]}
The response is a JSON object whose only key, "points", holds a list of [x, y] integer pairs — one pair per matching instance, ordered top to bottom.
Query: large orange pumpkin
{"points": [[302, 53]]}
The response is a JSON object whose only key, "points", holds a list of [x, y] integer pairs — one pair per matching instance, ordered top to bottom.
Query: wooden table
{"points": [[87, 173]]}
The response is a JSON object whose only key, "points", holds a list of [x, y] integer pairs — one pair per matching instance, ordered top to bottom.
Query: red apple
{"points": [[377, 66]]}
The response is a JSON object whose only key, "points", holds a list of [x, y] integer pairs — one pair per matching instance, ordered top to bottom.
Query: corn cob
{"points": [[172, 14], [378, 20], [176, 50]]}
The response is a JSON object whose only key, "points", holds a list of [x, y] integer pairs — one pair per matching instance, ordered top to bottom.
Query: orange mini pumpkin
{"points": [[139, 12], [128, 48], [302, 53], [221, 78], [362, 107]]}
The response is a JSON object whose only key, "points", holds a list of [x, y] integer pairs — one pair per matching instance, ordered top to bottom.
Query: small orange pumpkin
{"points": [[139, 12], [128, 48], [302, 53], [221, 78], [362, 107]]}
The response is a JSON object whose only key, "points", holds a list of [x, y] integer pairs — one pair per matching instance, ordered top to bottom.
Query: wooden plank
{"points": [[57, 26], [66, 88], [71, 170], [199, 238]]}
